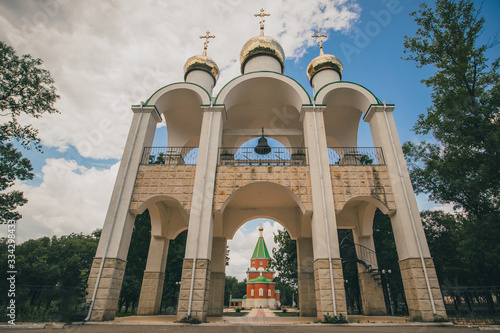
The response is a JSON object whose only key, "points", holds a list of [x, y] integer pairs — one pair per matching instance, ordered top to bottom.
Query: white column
{"points": [[385, 135], [119, 222], [329, 282], [193, 297]]}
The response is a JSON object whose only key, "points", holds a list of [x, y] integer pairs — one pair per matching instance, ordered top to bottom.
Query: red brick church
{"points": [[261, 291]]}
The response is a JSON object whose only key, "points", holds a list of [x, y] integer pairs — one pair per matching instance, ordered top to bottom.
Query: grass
{"points": [[234, 314], [287, 314]]}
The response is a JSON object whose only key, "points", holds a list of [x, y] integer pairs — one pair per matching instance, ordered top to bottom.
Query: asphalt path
{"points": [[209, 328]]}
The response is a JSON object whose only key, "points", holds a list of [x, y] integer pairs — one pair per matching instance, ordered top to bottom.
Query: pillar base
{"points": [[110, 285], [323, 286], [151, 293], [216, 294], [372, 294], [417, 294], [307, 299], [199, 301]]}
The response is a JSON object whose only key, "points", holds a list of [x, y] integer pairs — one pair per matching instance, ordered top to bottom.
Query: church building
{"points": [[261, 292]]}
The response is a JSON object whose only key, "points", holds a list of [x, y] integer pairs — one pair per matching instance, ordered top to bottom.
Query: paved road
{"points": [[229, 328]]}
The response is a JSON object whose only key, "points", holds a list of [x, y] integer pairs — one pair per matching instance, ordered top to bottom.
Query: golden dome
{"points": [[262, 45], [324, 61], [204, 63]]}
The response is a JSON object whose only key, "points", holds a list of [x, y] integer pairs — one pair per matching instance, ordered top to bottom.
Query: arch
{"points": [[197, 89], [300, 92], [369, 97], [345, 103], [253, 184], [262, 199], [377, 203], [168, 217]]}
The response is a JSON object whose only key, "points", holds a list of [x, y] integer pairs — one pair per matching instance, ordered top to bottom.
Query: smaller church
{"points": [[261, 292]]}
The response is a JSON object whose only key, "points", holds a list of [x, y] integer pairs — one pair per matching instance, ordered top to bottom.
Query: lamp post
{"points": [[386, 278], [177, 291]]}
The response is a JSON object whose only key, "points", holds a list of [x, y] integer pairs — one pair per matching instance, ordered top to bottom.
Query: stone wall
{"points": [[231, 178], [361, 180], [175, 181]]}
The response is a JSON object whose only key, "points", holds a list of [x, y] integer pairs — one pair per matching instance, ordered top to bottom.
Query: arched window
{"points": [[261, 262], [261, 292], [251, 293], [269, 293]]}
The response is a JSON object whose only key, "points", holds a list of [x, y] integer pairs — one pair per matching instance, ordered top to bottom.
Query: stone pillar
{"points": [[119, 222], [323, 224], [406, 224], [200, 230], [154, 277], [217, 277], [323, 288], [307, 292], [417, 294], [199, 300]]}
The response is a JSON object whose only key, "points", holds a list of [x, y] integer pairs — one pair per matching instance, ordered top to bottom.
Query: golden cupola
{"points": [[262, 53], [325, 68], [201, 69]]}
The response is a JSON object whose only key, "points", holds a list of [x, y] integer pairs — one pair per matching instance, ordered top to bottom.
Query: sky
{"points": [[107, 55]]}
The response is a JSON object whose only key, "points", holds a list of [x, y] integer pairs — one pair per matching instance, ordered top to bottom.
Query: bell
{"points": [[262, 147]]}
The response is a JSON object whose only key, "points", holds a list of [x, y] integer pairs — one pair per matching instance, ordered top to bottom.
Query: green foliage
{"points": [[25, 89], [462, 165], [284, 261], [136, 262], [173, 273], [52, 276], [234, 288], [237, 310], [340, 319]]}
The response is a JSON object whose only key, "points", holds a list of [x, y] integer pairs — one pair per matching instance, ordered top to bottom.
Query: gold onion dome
{"points": [[262, 45], [322, 62], [204, 63]]}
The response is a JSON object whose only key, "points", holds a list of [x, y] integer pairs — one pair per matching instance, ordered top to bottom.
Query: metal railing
{"points": [[170, 155], [276, 156], [356, 156], [473, 304]]}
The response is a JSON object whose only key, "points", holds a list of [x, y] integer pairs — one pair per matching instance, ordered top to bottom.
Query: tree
{"points": [[25, 89], [461, 166], [284, 261]]}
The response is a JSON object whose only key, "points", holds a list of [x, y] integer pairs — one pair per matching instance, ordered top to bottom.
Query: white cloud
{"points": [[107, 55], [71, 198], [243, 243]]}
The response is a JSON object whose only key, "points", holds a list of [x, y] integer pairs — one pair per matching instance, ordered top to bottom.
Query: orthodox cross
{"points": [[262, 15], [320, 41], [205, 45]]}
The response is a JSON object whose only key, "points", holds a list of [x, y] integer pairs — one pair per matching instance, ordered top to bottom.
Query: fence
{"points": [[170, 155], [273, 156], [356, 156], [473, 304]]}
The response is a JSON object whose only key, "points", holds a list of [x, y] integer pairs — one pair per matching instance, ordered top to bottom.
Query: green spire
{"points": [[260, 251]]}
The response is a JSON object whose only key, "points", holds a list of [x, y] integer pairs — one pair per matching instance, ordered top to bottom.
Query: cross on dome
{"points": [[262, 15], [320, 41], [205, 45]]}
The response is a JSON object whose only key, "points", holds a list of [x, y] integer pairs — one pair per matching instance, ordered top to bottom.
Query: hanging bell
{"points": [[262, 147]]}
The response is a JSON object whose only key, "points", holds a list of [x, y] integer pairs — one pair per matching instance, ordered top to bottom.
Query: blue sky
{"points": [[107, 55]]}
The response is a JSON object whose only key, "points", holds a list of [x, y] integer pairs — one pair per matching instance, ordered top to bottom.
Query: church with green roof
{"points": [[261, 292]]}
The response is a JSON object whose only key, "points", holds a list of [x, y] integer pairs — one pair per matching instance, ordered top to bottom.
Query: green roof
{"points": [[260, 251], [260, 279]]}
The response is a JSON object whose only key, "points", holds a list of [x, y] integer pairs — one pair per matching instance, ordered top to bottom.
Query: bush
{"points": [[278, 307], [238, 310], [284, 310], [340, 319], [190, 320]]}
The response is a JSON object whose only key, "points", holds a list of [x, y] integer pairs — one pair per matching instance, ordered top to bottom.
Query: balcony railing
{"points": [[170, 155], [277, 156], [356, 156]]}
